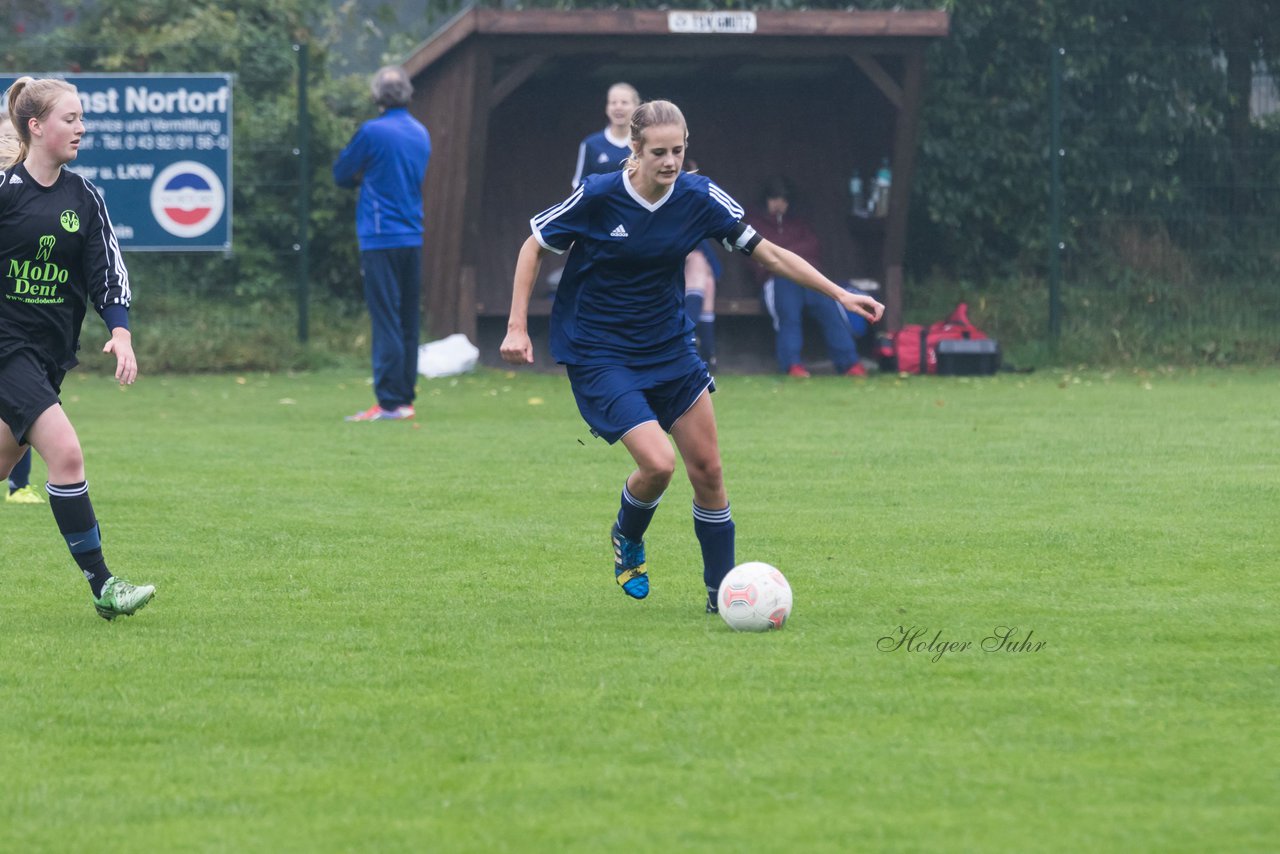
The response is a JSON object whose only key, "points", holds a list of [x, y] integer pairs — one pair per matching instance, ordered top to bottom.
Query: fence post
{"points": [[1056, 153], [303, 246]]}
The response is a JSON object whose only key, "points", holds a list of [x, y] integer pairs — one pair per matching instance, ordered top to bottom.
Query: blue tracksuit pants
{"points": [[393, 292], [789, 304]]}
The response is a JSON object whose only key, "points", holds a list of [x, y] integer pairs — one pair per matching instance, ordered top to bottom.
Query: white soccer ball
{"points": [[755, 597]]}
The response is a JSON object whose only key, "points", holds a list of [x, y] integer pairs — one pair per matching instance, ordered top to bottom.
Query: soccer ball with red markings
{"points": [[755, 597]]}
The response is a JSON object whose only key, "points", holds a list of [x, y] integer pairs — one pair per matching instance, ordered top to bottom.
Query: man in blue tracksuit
{"points": [[387, 159]]}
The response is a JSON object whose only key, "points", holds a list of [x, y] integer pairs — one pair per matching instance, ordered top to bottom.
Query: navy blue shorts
{"points": [[26, 390], [615, 399]]}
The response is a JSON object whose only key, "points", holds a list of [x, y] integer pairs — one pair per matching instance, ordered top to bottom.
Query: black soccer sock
{"points": [[635, 515], [79, 527], [715, 532]]}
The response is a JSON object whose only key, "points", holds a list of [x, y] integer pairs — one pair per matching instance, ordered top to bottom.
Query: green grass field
{"points": [[406, 637]]}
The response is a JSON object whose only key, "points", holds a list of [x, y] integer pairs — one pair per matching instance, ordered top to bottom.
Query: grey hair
{"points": [[391, 87]]}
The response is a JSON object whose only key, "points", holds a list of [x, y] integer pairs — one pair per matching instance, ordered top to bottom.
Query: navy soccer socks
{"points": [[693, 305], [704, 325], [706, 332], [21, 474], [635, 515], [79, 527], [714, 529]]}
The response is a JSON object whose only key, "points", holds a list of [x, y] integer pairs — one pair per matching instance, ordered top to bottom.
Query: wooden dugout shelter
{"points": [[811, 95]]}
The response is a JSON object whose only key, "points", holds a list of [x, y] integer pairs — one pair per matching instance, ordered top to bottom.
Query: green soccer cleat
{"points": [[25, 495], [120, 597]]}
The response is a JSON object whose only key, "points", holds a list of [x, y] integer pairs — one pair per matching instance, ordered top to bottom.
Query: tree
{"points": [[255, 40], [1156, 102], [1155, 109]]}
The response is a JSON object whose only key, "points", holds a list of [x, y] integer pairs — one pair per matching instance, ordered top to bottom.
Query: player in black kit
{"points": [[58, 253]]}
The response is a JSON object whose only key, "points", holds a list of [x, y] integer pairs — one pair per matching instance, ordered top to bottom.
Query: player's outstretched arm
{"points": [[787, 264], [121, 345], [517, 349]]}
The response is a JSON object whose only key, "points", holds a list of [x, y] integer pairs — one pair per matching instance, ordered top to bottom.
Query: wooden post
{"points": [[455, 109], [906, 131], [473, 241]]}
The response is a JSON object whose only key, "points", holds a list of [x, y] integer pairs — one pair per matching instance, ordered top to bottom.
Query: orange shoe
{"points": [[799, 371], [856, 371], [377, 413]]}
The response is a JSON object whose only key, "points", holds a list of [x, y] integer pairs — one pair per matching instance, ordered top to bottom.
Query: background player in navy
{"points": [[604, 151], [387, 158], [58, 251], [701, 270], [618, 325], [20, 491]]}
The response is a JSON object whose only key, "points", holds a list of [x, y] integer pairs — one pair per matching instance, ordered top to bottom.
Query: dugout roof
{"points": [[508, 95]]}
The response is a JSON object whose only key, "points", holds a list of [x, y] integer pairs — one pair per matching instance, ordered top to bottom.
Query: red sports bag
{"points": [[910, 342]]}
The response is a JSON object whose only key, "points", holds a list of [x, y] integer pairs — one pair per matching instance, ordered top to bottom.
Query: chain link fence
{"points": [[1165, 222]]}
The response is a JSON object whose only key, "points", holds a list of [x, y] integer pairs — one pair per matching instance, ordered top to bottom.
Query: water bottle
{"points": [[883, 179], [855, 190]]}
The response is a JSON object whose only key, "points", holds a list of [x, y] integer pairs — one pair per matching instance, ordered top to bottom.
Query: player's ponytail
{"points": [[29, 98], [652, 114], [12, 149]]}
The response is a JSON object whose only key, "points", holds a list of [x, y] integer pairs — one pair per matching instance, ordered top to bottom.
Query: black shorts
{"points": [[27, 389]]}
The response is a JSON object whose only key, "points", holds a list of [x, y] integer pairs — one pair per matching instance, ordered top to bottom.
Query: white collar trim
{"points": [[621, 142], [641, 200]]}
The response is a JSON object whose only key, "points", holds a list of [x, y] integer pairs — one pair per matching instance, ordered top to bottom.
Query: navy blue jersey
{"points": [[599, 154], [58, 254], [621, 295]]}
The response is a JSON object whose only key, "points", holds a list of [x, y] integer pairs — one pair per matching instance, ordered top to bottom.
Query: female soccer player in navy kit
{"points": [[604, 151], [57, 252], [618, 325], [20, 491]]}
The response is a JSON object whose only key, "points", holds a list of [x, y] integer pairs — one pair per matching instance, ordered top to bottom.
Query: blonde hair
{"points": [[635, 93], [32, 98], [652, 114], [8, 144]]}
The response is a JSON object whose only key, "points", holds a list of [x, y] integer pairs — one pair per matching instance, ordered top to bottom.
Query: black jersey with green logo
{"points": [[58, 253]]}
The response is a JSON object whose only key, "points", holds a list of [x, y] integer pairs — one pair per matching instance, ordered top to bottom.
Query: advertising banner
{"points": [[158, 146]]}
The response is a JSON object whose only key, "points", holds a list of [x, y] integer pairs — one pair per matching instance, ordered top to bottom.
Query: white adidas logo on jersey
{"points": [[603, 158], [16, 179], [618, 232]]}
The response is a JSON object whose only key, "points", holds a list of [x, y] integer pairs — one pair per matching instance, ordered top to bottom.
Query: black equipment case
{"points": [[968, 357]]}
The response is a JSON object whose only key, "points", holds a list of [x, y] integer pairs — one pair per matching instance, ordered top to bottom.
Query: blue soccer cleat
{"points": [[628, 565]]}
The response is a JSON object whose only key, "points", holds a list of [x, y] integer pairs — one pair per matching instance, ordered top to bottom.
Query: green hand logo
{"points": [[70, 221], [46, 247]]}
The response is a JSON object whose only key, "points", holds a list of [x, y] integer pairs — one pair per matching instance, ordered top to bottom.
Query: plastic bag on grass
{"points": [[448, 356]]}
